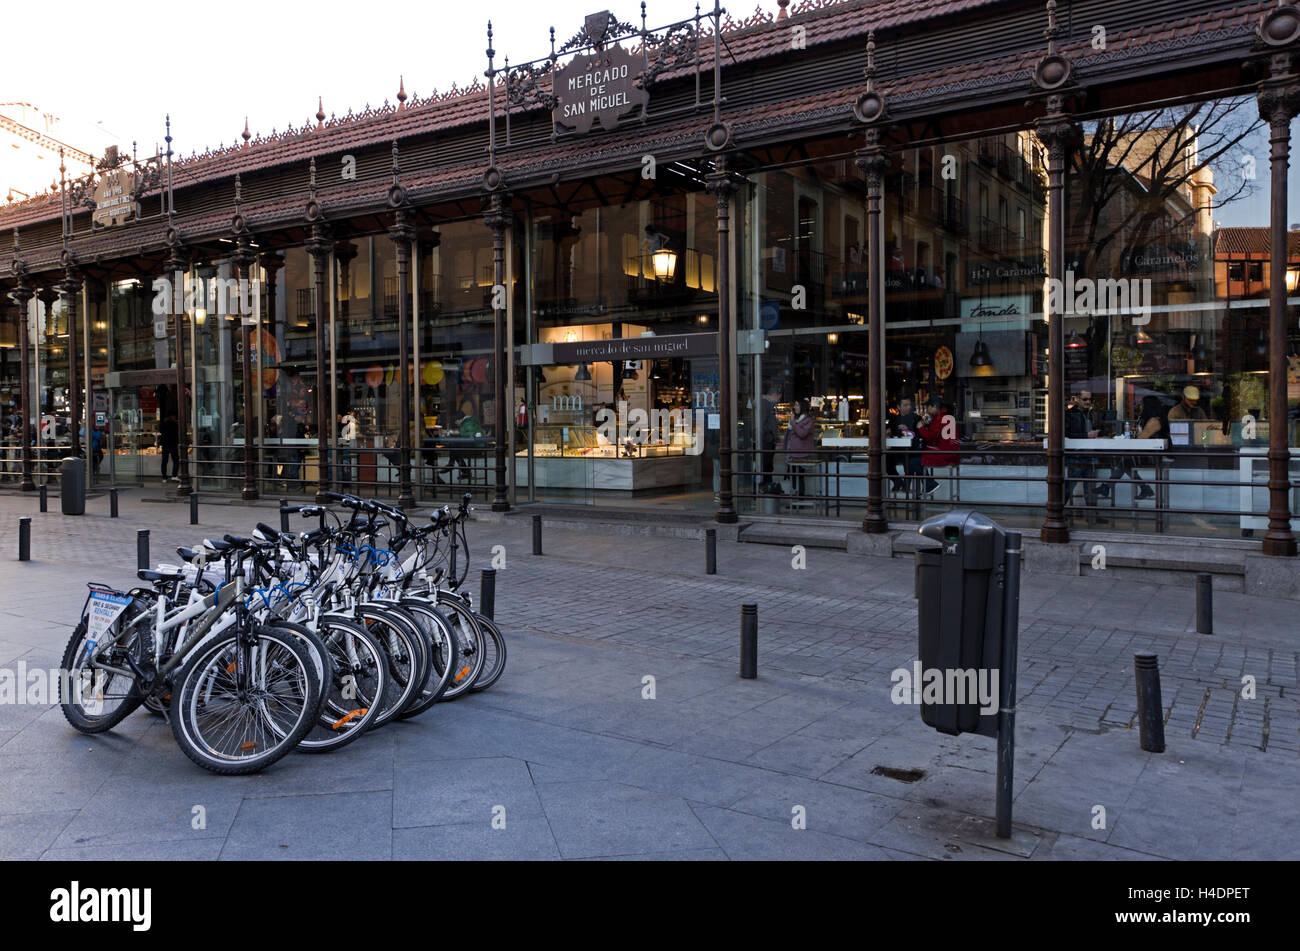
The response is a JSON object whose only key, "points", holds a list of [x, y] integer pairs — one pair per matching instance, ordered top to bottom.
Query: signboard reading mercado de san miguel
{"points": [[601, 85], [114, 198]]}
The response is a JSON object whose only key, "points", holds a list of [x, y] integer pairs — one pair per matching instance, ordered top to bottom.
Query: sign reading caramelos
{"points": [[600, 86]]}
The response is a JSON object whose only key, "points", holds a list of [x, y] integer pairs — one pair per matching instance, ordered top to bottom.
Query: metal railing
{"points": [[1197, 491]]}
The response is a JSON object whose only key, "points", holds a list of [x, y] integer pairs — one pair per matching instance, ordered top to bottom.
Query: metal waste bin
{"points": [[72, 485], [960, 586]]}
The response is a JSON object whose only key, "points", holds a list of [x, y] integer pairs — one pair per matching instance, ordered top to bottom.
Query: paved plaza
{"points": [[577, 754]]}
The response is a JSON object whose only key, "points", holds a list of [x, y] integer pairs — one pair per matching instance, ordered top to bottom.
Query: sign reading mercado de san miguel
{"points": [[600, 85], [114, 197]]}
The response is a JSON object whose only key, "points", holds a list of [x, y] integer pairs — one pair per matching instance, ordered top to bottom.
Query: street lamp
{"points": [[662, 257]]}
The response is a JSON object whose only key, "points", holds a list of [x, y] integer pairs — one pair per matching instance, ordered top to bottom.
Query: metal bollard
{"points": [[45, 499], [112, 502], [194, 508], [284, 516], [537, 534], [25, 538], [142, 549], [710, 551], [487, 593], [1204, 604], [749, 641], [1150, 711]]}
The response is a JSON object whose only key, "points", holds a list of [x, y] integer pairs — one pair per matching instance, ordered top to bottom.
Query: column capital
{"points": [[1278, 97], [872, 159], [722, 181], [497, 215], [401, 230], [319, 244]]}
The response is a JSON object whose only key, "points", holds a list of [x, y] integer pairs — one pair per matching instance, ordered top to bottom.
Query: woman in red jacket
{"points": [[938, 430]]}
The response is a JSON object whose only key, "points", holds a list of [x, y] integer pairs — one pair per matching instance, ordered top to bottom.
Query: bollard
{"points": [[45, 499], [112, 502], [194, 508], [284, 516], [537, 534], [25, 538], [142, 549], [710, 551], [487, 593], [1204, 604], [749, 641], [1150, 712]]}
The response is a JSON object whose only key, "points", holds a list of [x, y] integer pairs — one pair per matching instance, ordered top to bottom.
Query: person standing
{"points": [[1079, 425], [904, 426], [800, 441], [169, 442]]}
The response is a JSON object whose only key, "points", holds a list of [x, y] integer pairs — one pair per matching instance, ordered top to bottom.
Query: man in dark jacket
{"points": [[1079, 425], [904, 426], [169, 442]]}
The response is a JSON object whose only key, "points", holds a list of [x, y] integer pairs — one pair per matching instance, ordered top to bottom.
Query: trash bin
{"points": [[72, 485], [959, 589]]}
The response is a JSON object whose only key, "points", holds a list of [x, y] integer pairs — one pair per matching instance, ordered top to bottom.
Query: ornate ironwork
{"points": [[600, 29], [677, 48], [524, 85]]}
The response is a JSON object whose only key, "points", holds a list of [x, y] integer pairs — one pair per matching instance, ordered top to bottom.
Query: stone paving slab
{"points": [[585, 765]]}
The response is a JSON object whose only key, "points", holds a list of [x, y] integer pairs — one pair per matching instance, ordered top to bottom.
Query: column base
{"points": [[27, 487], [184, 489], [248, 495], [406, 500], [501, 506], [727, 516], [875, 524], [1055, 534], [1279, 547]]}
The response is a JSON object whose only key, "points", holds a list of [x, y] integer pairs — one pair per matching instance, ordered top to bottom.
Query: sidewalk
{"points": [[713, 767]]}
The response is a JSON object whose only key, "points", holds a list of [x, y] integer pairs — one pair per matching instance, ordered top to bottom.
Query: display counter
{"points": [[609, 472]]}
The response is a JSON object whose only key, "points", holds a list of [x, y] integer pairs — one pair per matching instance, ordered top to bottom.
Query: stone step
{"points": [[810, 536]]}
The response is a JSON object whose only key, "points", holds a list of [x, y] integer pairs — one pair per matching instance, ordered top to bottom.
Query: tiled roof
{"points": [[828, 21], [761, 35], [1252, 241]]}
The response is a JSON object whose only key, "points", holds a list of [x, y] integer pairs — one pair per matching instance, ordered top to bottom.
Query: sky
{"points": [[209, 65], [113, 77]]}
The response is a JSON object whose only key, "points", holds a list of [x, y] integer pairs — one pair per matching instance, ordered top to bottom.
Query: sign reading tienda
{"points": [[600, 85]]}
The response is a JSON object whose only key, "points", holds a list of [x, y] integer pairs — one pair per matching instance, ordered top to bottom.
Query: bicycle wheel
{"points": [[469, 640], [315, 646], [445, 650], [494, 655], [407, 660], [358, 676], [93, 699], [245, 700]]}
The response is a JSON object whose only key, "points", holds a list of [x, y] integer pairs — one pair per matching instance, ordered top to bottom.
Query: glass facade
{"points": [[1163, 303]]}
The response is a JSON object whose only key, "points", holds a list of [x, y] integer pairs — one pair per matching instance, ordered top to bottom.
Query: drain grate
{"points": [[902, 775]]}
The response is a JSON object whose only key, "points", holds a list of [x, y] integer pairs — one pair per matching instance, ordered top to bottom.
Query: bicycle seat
{"points": [[374, 523], [273, 534], [239, 541], [217, 546], [188, 554], [158, 577]]}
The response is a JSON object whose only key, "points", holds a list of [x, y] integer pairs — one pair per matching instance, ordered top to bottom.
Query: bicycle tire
{"points": [[469, 638], [444, 651], [494, 655], [74, 658], [408, 661], [280, 710], [344, 718]]}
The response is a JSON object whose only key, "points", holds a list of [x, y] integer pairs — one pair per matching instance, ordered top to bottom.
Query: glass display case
{"points": [[578, 441]]}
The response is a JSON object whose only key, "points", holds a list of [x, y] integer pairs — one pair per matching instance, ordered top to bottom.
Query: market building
{"points": [[615, 273]]}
